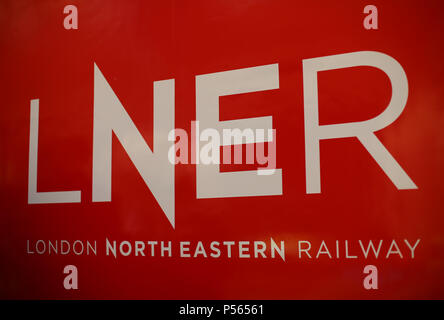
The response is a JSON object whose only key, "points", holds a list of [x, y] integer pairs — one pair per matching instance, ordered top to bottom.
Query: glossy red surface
{"points": [[137, 42]]}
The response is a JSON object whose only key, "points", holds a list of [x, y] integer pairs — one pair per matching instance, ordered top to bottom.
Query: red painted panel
{"points": [[137, 42]]}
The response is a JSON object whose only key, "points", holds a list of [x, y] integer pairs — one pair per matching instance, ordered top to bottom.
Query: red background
{"points": [[137, 42]]}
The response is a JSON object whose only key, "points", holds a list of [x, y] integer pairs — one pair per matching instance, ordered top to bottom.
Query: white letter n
{"points": [[154, 167]]}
